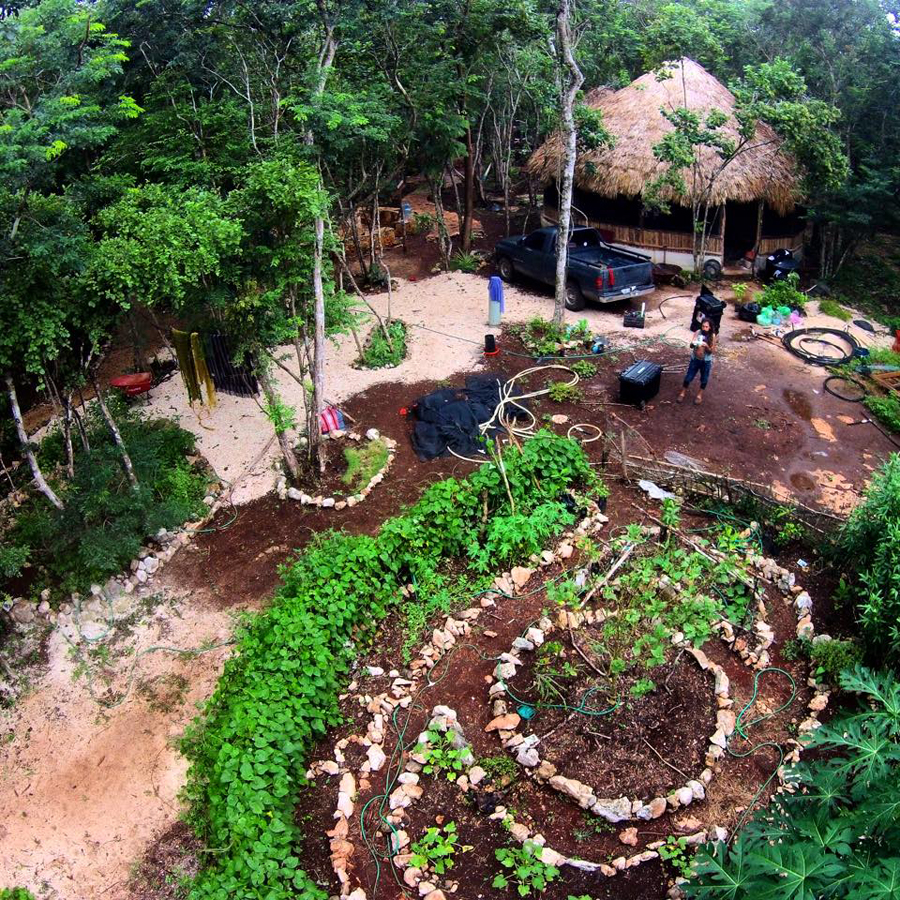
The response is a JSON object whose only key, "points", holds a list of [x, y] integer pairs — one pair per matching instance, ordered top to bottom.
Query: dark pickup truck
{"points": [[595, 270]]}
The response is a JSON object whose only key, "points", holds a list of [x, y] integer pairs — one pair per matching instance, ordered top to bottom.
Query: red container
{"points": [[133, 385]]}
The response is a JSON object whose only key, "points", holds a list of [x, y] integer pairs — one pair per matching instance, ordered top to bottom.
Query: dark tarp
{"points": [[448, 419]]}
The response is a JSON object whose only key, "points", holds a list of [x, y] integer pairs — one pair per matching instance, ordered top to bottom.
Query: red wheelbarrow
{"points": [[133, 385]]}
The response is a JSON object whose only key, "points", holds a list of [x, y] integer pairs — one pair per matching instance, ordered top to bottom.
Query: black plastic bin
{"points": [[707, 306], [640, 382]]}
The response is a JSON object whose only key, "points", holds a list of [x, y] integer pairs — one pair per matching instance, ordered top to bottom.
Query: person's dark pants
{"points": [[703, 366]]}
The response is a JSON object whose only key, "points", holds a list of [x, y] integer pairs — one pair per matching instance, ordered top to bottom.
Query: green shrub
{"points": [[464, 262], [784, 293], [829, 307], [377, 352], [584, 369], [562, 392], [886, 409], [105, 521], [871, 539], [830, 658], [278, 694], [837, 836], [16, 893]]}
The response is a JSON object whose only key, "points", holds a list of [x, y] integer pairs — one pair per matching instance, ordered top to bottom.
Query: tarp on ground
{"points": [[448, 419]]}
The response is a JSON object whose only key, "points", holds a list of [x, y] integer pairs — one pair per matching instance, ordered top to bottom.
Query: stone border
{"points": [[292, 493], [82, 617], [400, 694], [619, 809]]}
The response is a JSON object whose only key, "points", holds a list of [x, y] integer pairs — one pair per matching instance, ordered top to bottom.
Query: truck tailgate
{"points": [[630, 275]]}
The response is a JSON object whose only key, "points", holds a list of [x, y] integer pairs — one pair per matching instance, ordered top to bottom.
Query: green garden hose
{"points": [[740, 729]]}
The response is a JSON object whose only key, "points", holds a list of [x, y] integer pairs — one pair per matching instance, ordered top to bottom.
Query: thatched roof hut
{"points": [[762, 173]]}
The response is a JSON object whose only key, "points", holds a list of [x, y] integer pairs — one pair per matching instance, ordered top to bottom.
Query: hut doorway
{"points": [[741, 224]]}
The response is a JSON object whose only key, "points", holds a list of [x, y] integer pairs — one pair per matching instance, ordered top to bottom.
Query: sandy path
{"points": [[234, 436], [85, 789]]}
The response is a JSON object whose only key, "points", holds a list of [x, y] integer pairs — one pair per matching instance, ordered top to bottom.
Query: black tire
{"points": [[506, 269], [712, 270], [574, 297]]}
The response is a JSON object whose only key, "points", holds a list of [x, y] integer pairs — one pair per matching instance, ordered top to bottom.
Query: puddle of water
{"points": [[798, 402], [802, 482]]}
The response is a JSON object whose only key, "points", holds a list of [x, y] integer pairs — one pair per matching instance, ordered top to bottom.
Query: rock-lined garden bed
{"points": [[324, 501], [378, 761]]}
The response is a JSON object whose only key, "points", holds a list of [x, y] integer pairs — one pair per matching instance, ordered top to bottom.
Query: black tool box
{"points": [[707, 306], [633, 319], [640, 382]]}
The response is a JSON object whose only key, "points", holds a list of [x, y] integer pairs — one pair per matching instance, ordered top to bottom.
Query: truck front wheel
{"points": [[507, 271], [574, 297]]}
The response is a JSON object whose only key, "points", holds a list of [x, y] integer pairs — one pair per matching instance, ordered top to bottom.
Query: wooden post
{"points": [[759, 227], [624, 456]]}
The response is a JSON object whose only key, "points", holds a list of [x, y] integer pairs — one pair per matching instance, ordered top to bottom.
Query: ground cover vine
{"points": [[278, 693]]}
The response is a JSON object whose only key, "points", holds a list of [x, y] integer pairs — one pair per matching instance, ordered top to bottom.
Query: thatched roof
{"points": [[762, 171]]}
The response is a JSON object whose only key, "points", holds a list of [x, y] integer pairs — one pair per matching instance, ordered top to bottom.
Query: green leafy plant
{"points": [[423, 223], [465, 262], [740, 289], [785, 292], [378, 352], [583, 369], [562, 392], [886, 409], [282, 416], [363, 462], [786, 527], [830, 658], [642, 687], [442, 757], [499, 768], [836, 836], [436, 848], [674, 852], [522, 867], [16, 893]]}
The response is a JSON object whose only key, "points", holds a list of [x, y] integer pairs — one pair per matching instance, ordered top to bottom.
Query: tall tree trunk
{"points": [[570, 84], [468, 193], [444, 242], [318, 371], [272, 398], [63, 408], [79, 422], [116, 434], [67, 435], [36, 472]]}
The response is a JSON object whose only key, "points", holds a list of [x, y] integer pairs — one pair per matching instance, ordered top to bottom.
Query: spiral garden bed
{"points": [[598, 782]]}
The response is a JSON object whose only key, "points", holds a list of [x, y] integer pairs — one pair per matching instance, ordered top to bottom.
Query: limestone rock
{"points": [[520, 576], [509, 722], [376, 758], [580, 793], [617, 810], [629, 837]]}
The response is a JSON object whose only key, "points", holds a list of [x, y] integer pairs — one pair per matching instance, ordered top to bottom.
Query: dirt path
{"points": [[85, 788]]}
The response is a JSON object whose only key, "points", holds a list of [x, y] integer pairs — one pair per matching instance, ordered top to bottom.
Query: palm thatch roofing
{"points": [[762, 170]]}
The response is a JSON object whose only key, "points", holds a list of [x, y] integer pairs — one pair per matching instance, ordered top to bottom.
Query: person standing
{"points": [[703, 347]]}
